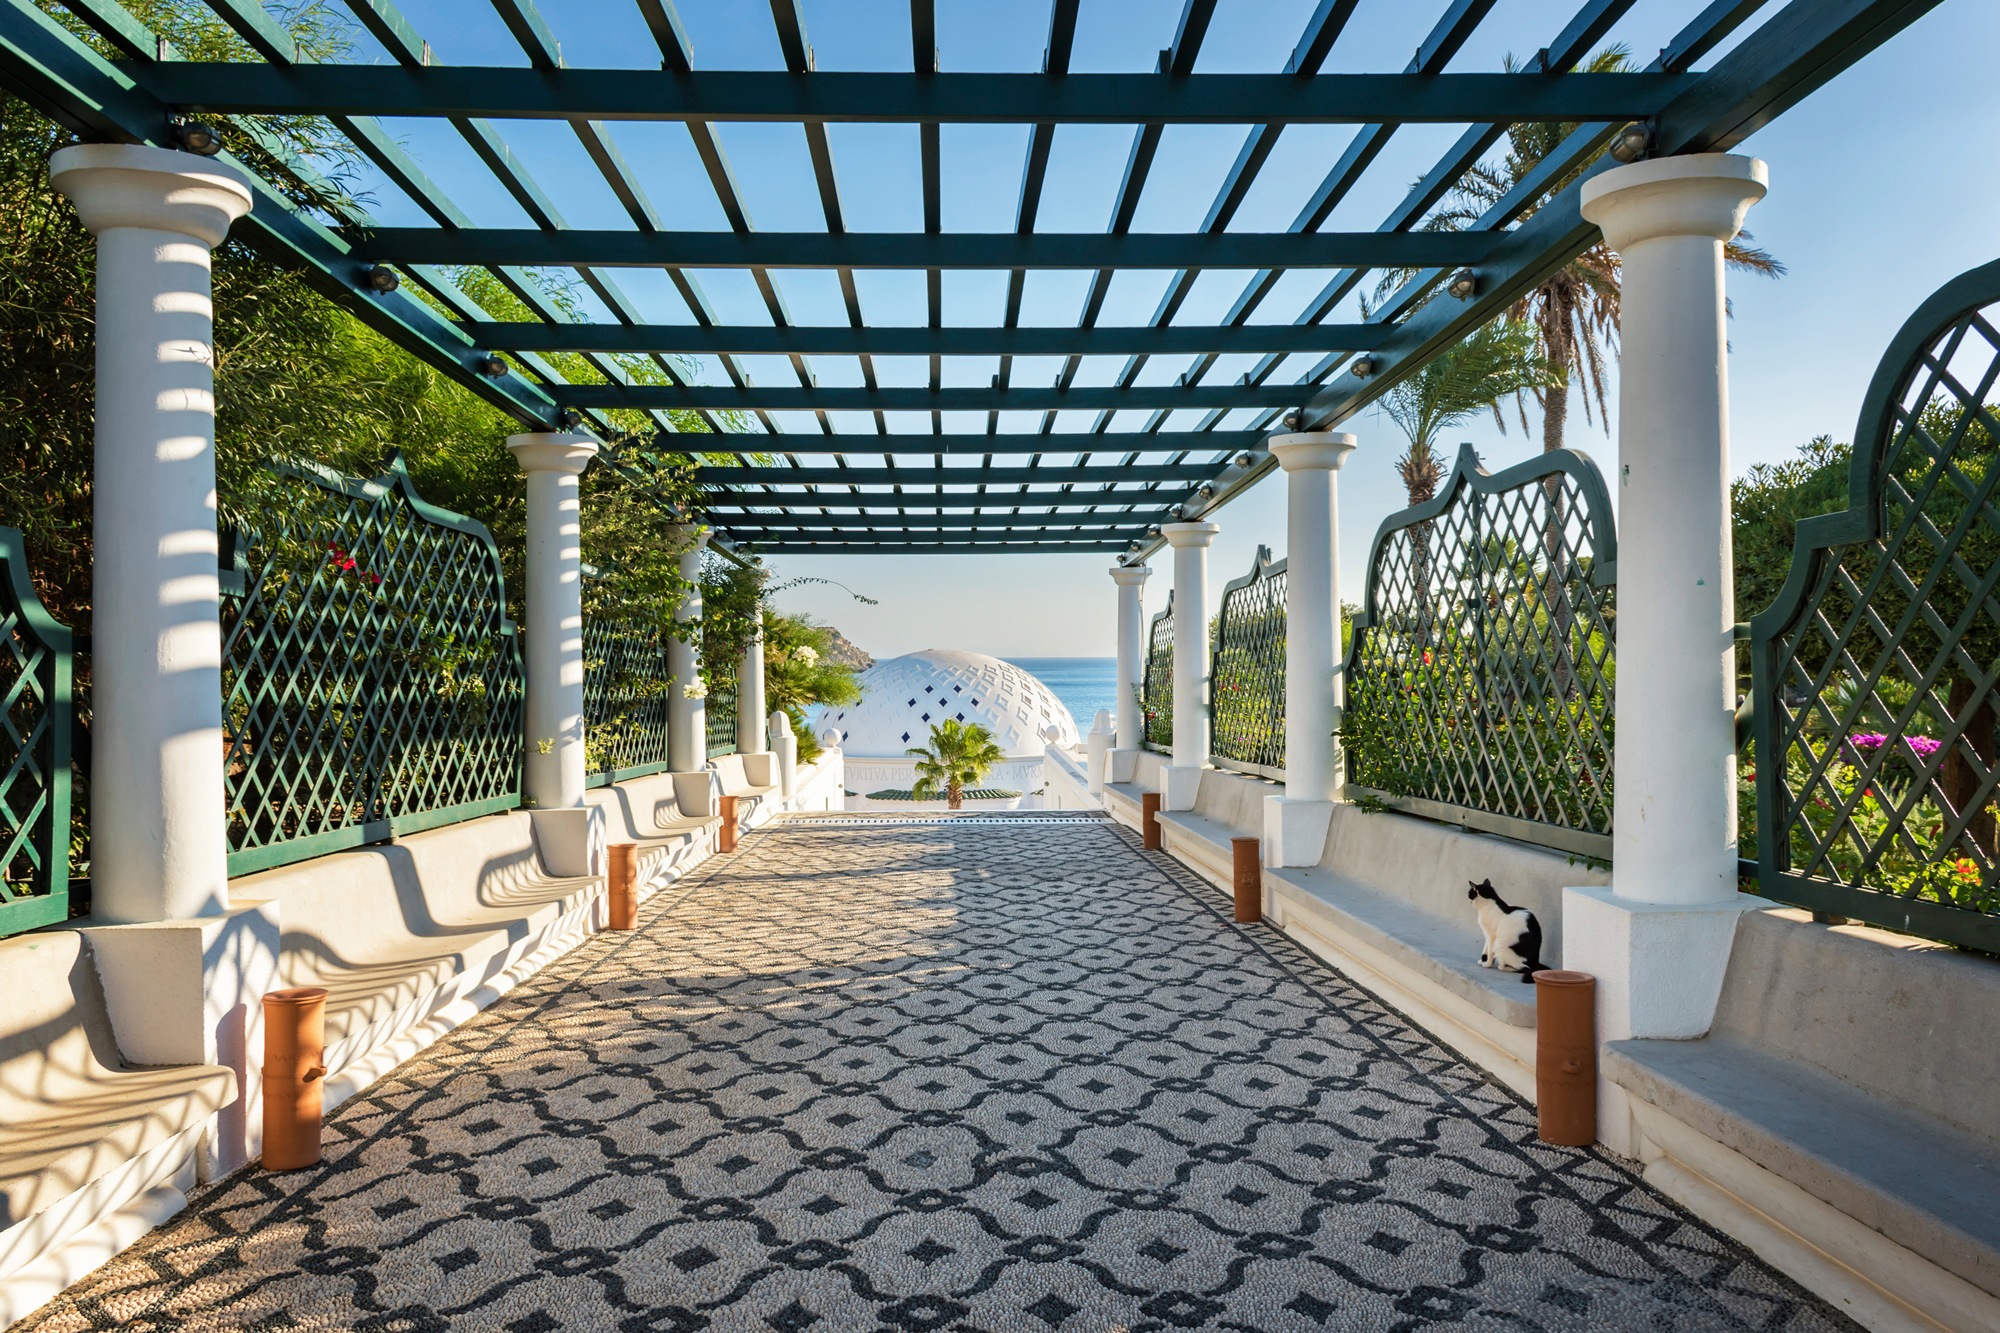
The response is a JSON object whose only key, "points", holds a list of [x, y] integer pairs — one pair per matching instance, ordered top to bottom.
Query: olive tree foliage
{"points": [[297, 378], [799, 670]]}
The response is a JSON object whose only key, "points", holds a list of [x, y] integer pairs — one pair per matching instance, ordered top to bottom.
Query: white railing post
{"points": [[687, 718], [1131, 735], [1183, 779], [1295, 824], [568, 834], [1659, 939]]}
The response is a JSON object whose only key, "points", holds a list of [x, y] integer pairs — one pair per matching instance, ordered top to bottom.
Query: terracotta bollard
{"points": [[1149, 822], [726, 835], [1247, 861], [621, 886], [1566, 1057], [294, 1076]]}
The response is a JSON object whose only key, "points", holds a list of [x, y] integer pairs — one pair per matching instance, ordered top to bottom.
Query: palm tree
{"points": [[1574, 311], [959, 753]]}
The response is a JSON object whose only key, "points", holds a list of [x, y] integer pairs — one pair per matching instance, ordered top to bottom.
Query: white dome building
{"points": [[904, 697]]}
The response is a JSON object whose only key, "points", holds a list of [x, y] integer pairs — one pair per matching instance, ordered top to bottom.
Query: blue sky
{"points": [[1880, 191]]}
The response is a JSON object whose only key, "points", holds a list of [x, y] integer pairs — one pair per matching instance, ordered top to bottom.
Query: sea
{"points": [[1084, 684]]}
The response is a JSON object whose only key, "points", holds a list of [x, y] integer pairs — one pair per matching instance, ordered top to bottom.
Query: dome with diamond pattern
{"points": [[904, 697]]}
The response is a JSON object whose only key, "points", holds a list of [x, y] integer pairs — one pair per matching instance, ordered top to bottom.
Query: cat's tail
{"points": [[1528, 972]]}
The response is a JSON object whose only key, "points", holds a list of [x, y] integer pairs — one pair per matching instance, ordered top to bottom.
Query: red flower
{"points": [[377, 578]]}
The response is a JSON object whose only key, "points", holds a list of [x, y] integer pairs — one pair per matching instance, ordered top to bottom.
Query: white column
{"points": [[1190, 542], [1131, 581], [553, 639], [752, 717], [687, 719], [1295, 825], [569, 835], [159, 837], [1659, 939], [183, 977]]}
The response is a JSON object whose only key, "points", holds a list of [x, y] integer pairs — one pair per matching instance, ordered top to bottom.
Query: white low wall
{"points": [[865, 775]]}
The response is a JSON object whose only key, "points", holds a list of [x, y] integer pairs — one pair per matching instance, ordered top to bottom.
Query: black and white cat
{"points": [[1513, 936]]}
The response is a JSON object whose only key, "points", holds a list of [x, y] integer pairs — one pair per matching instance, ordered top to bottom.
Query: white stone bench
{"points": [[753, 780], [1227, 806], [648, 812], [1387, 904], [412, 937], [1842, 1116], [93, 1152]]}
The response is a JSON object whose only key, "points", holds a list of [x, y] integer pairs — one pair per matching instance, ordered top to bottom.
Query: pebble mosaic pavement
{"points": [[958, 1075]]}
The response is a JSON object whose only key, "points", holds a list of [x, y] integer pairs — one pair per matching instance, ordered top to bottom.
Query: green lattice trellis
{"points": [[36, 673], [1479, 680], [372, 682], [1246, 690], [624, 698], [1156, 700], [720, 704], [1877, 752]]}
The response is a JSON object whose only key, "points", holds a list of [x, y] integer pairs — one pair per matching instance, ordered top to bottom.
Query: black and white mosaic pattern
{"points": [[937, 1076]]}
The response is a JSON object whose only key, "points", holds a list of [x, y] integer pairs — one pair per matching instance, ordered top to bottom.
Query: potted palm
{"points": [[958, 755]]}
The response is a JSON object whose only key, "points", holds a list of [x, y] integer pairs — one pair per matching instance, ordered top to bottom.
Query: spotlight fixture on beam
{"points": [[194, 136], [1633, 143], [381, 279], [1464, 284], [493, 366], [1363, 367], [569, 418], [1295, 419], [1245, 459], [1207, 491]]}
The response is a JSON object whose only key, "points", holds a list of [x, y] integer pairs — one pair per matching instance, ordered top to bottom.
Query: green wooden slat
{"points": [[507, 93], [37, 706]]}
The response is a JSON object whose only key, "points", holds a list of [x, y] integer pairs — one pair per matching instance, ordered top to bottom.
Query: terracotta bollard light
{"points": [[1149, 820], [726, 835], [1247, 861], [621, 887], [1566, 1057], [294, 1076]]}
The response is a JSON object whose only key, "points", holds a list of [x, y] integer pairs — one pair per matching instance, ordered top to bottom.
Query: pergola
{"points": [[1141, 451]]}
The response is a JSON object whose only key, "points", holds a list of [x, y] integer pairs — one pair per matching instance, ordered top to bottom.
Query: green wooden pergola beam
{"points": [[513, 93], [580, 248], [836, 340], [788, 399], [854, 443], [1190, 474], [1113, 501], [1132, 524]]}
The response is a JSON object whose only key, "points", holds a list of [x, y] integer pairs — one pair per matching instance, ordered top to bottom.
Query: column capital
{"points": [[160, 189], [1703, 194], [1315, 450], [552, 451], [695, 533], [1182, 535], [1130, 576]]}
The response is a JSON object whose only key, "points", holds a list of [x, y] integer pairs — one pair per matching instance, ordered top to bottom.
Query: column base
{"points": [[1121, 766], [1179, 787], [1295, 831], [572, 842], [1659, 969], [192, 992]]}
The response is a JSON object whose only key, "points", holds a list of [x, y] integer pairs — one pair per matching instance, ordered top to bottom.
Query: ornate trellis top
{"points": [[1084, 460]]}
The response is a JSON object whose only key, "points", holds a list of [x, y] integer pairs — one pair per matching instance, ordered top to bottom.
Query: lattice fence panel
{"points": [[720, 670], [1247, 679], [1479, 680], [372, 682], [624, 698], [1157, 701], [35, 733], [1877, 754]]}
